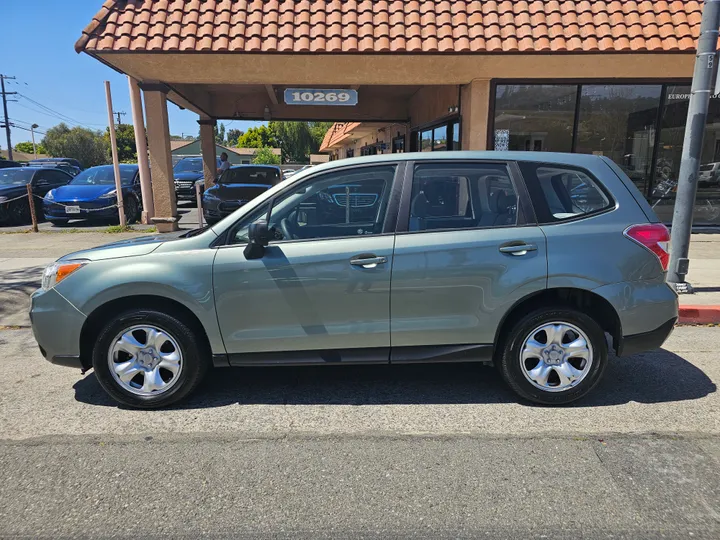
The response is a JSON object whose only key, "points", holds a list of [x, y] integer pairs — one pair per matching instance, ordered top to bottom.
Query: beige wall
{"points": [[431, 103], [474, 111]]}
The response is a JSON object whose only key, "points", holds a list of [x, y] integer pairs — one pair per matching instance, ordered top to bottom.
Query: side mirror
{"points": [[259, 238]]}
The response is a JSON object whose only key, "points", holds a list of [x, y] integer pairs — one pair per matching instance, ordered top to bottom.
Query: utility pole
{"points": [[702, 87], [118, 115], [7, 121], [32, 132]]}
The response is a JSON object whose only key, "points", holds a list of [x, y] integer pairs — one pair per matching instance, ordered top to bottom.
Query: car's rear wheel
{"points": [[19, 212], [553, 356], [149, 359]]}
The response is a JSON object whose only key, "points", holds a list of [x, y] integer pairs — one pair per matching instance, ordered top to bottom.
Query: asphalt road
{"points": [[373, 452]]}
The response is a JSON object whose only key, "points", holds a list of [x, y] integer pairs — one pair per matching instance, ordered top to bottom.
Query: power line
{"points": [[59, 115]]}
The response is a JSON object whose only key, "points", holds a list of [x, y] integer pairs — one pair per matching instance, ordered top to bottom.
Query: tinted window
{"points": [[534, 117], [190, 165], [104, 175], [251, 175], [15, 177], [57, 177], [560, 193], [462, 196], [346, 203]]}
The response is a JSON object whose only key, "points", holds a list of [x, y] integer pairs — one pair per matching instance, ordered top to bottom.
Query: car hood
{"points": [[190, 175], [237, 192], [81, 193], [132, 247]]}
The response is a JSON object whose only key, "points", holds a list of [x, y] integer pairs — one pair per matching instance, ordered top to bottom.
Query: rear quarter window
{"points": [[562, 193]]}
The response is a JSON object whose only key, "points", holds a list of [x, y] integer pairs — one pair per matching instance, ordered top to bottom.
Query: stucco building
{"points": [[609, 77]]}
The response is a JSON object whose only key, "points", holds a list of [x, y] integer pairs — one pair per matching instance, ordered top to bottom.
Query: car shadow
{"points": [[16, 286], [655, 377]]}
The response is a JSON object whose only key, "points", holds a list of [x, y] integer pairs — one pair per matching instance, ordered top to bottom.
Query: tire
{"points": [[132, 210], [19, 212], [58, 222], [194, 359], [517, 373]]}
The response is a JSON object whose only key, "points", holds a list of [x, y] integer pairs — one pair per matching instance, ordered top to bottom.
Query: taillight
{"points": [[653, 236]]}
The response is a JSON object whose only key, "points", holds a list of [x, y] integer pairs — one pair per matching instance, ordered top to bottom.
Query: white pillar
{"points": [[142, 153]]}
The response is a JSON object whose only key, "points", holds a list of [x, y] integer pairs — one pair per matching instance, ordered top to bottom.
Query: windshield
{"points": [[189, 165], [251, 175], [102, 176], [14, 177]]}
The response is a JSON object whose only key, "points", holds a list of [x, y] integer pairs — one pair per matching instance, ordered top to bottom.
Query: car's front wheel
{"points": [[553, 356], [149, 359]]}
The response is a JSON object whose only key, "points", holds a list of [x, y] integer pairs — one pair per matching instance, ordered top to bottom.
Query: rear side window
{"points": [[560, 193], [450, 196]]}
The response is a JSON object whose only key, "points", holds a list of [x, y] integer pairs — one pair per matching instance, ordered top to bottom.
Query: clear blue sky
{"points": [[37, 46]]}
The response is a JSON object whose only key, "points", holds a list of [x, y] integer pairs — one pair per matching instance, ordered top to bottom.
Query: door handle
{"points": [[518, 249], [368, 262]]}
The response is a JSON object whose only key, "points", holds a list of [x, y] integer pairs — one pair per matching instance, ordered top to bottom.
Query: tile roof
{"points": [[398, 26]]}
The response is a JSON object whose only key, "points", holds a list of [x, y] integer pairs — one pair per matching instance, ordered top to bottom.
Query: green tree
{"points": [[219, 133], [125, 136], [232, 137], [258, 137], [299, 139], [85, 145], [27, 148], [265, 156]]}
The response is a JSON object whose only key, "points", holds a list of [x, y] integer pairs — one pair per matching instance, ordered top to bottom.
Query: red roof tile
{"points": [[394, 26]]}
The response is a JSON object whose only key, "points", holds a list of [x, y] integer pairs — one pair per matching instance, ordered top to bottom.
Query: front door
{"points": [[465, 258], [321, 292]]}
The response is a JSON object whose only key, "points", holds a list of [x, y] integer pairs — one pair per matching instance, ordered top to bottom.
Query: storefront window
{"points": [[535, 117], [618, 121], [672, 133], [455, 135], [440, 138], [426, 141], [398, 145], [350, 152]]}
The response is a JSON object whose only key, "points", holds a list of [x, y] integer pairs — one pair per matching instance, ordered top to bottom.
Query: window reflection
{"points": [[535, 117], [618, 121], [672, 133], [456, 136], [440, 138], [426, 141]]}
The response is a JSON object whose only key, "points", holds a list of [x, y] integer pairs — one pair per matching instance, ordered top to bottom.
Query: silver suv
{"points": [[535, 262]]}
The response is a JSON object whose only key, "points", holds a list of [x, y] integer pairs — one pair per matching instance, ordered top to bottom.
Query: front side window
{"points": [[560, 193], [462, 196], [334, 205]]}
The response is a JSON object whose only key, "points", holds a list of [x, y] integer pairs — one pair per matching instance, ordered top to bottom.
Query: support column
{"points": [[475, 112], [158, 133], [207, 146], [142, 153]]}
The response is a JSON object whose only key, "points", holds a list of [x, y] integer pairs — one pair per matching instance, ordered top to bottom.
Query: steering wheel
{"points": [[285, 228]]}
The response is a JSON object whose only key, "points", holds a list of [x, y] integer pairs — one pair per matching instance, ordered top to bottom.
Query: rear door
{"points": [[467, 249]]}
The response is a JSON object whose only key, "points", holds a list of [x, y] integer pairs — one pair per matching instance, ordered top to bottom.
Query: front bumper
{"points": [[100, 209], [56, 325]]}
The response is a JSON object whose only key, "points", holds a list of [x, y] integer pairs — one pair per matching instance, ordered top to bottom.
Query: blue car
{"points": [[91, 195]]}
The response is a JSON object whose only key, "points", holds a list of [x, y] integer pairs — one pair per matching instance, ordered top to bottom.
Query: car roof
{"points": [[254, 166]]}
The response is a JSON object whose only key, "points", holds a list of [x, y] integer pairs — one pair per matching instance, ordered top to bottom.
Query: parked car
{"points": [[70, 161], [6, 164], [69, 168], [187, 172], [287, 173], [709, 174], [236, 187], [92, 195], [14, 208], [417, 257]]}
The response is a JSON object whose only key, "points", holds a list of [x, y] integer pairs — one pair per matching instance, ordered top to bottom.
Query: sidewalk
{"points": [[23, 257]]}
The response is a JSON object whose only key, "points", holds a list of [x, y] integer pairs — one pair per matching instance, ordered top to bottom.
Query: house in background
{"points": [[236, 156]]}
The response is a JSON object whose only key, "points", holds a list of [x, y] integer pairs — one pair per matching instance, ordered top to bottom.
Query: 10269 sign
{"points": [[320, 96]]}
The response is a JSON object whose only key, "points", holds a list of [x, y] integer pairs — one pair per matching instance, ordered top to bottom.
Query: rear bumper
{"points": [[646, 341]]}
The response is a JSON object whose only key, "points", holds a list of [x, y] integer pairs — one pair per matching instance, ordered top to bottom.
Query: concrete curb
{"points": [[699, 315]]}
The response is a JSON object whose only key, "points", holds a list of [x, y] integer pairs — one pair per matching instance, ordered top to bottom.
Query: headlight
{"points": [[109, 195], [209, 195], [49, 196], [58, 271]]}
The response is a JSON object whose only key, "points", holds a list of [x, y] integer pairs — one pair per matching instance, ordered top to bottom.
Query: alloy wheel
{"points": [[556, 356], [145, 360]]}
